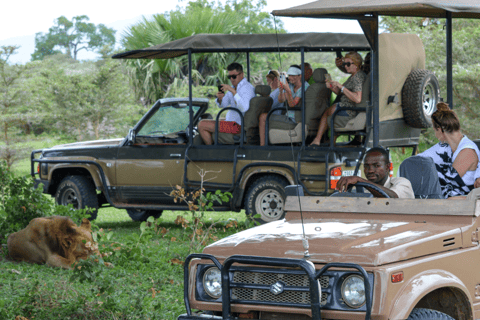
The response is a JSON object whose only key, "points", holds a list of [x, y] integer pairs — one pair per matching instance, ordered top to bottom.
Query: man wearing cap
{"points": [[292, 94], [238, 96]]}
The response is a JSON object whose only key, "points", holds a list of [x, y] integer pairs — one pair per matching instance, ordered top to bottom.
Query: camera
{"points": [[283, 79], [220, 88]]}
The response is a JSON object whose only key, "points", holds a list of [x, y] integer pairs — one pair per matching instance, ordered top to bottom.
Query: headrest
{"points": [[319, 75], [263, 90]]}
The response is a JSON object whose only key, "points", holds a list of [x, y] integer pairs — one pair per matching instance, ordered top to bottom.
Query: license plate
{"points": [[347, 173]]}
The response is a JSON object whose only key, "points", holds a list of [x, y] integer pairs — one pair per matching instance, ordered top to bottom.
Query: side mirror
{"points": [[131, 137]]}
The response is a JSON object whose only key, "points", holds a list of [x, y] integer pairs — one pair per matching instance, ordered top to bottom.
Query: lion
{"points": [[56, 241]]}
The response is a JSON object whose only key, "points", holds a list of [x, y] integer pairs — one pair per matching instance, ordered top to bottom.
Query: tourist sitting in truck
{"points": [[291, 93], [350, 94], [238, 95], [456, 157], [376, 168]]}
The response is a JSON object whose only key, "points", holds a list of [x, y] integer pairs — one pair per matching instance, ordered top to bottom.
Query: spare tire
{"points": [[420, 95]]}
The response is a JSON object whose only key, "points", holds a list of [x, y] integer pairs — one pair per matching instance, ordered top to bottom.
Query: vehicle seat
{"points": [[317, 98], [262, 103], [423, 176]]}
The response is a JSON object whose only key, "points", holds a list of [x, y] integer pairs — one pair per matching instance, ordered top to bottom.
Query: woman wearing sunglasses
{"points": [[349, 93], [455, 156]]}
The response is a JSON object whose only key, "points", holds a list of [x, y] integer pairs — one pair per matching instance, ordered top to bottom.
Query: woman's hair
{"points": [[356, 58], [445, 118]]}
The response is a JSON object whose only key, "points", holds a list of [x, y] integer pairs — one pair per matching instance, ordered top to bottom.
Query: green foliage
{"points": [[70, 37], [466, 68], [153, 79], [11, 97], [81, 100], [19, 202]]}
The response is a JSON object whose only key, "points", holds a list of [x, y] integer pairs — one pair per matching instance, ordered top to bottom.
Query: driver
{"points": [[376, 168]]}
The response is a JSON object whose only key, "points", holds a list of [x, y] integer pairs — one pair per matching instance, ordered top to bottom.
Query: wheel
{"points": [[420, 95], [78, 191], [266, 197], [142, 215], [428, 314]]}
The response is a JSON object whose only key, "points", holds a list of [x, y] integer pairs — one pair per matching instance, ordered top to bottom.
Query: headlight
{"points": [[212, 282], [353, 291]]}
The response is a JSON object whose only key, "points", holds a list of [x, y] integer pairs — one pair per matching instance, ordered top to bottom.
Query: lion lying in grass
{"points": [[55, 241]]}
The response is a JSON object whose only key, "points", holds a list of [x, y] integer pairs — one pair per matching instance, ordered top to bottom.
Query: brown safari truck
{"points": [[138, 172], [344, 258]]}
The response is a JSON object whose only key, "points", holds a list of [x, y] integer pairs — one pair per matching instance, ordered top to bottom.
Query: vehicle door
{"points": [[151, 163]]}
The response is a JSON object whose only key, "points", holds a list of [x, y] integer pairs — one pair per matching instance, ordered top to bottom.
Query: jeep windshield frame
{"points": [[367, 14]]}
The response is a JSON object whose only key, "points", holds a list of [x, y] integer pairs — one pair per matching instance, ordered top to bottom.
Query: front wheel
{"points": [[78, 191], [266, 197], [142, 215], [428, 314]]}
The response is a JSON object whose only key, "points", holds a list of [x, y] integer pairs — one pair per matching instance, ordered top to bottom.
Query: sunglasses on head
{"points": [[347, 64], [271, 73], [233, 76]]}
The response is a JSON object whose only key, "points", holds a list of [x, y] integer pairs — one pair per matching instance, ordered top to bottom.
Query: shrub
{"points": [[20, 202]]}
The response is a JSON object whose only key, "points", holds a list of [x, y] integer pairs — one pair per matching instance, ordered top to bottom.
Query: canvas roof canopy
{"points": [[425, 8], [251, 43]]}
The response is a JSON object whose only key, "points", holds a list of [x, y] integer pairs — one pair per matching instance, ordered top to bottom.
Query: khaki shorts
{"points": [[340, 121]]}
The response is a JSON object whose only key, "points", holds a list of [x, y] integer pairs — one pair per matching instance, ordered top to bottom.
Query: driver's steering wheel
{"points": [[351, 194]]}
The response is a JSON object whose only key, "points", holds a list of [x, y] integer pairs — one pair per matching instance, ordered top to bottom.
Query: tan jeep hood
{"points": [[93, 143], [365, 242]]}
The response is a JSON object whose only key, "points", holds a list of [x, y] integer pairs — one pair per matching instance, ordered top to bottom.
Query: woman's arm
{"points": [[286, 94], [356, 97], [466, 160]]}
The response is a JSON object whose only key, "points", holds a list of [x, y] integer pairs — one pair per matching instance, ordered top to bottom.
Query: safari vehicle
{"points": [[138, 172], [350, 257]]}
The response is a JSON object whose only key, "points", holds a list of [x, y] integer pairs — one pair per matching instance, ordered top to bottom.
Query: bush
{"points": [[20, 202]]}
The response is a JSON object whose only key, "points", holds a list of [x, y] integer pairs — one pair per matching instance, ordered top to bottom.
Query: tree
{"points": [[72, 36], [466, 67], [153, 79], [11, 97]]}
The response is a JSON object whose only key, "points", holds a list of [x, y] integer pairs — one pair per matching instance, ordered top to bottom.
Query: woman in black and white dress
{"points": [[456, 157]]}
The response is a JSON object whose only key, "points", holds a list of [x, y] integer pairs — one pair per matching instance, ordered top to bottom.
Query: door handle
{"points": [[175, 155], [240, 156]]}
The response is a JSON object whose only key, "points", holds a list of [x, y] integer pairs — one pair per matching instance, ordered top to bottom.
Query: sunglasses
{"points": [[347, 64], [271, 73], [233, 76]]}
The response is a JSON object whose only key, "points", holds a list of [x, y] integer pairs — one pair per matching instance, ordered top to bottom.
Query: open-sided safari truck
{"points": [[138, 172], [349, 257]]}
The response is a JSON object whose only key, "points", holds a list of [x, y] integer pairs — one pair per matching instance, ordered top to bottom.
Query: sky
{"points": [[21, 20]]}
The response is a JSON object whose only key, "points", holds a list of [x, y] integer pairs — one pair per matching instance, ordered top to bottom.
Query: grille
{"points": [[265, 278]]}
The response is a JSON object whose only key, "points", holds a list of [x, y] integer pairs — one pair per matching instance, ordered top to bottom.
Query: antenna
{"points": [[306, 246]]}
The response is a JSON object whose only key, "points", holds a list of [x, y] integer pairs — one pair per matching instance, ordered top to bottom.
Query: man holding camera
{"points": [[238, 96]]}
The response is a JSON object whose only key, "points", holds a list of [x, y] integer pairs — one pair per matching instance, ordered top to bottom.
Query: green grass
{"points": [[145, 283]]}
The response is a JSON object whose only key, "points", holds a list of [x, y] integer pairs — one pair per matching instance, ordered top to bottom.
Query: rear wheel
{"points": [[420, 95], [78, 191], [266, 197], [142, 215], [428, 314]]}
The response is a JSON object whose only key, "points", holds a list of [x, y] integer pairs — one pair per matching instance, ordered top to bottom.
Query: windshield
{"points": [[167, 119]]}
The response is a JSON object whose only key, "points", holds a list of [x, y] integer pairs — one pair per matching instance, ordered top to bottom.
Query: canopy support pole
{"points": [[302, 53], [449, 60], [248, 66], [190, 93], [375, 93]]}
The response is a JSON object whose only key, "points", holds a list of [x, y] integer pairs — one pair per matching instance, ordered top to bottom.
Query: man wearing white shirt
{"points": [[238, 96]]}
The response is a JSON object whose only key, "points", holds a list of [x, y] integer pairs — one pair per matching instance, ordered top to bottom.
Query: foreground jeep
{"points": [[138, 172], [344, 258]]}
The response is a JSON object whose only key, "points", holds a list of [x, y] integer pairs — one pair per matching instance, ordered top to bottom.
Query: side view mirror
{"points": [[131, 136]]}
